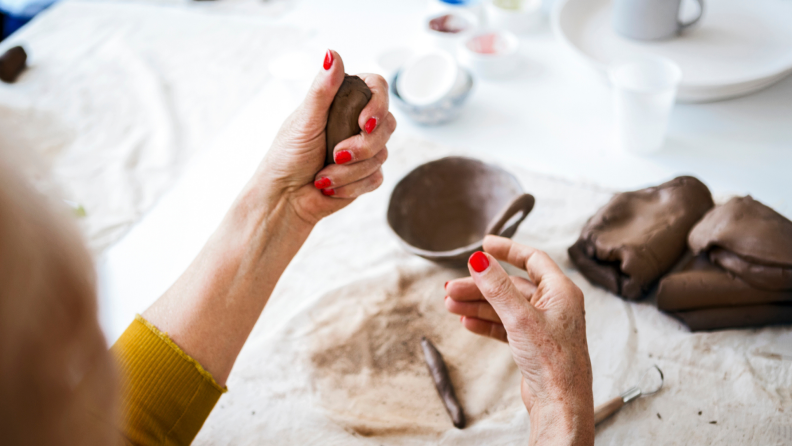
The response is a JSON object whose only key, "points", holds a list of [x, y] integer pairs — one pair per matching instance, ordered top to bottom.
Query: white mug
{"points": [[650, 19]]}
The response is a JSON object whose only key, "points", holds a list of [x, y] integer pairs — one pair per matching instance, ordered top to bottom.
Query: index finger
{"points": [[377, 107], [537, 263]]}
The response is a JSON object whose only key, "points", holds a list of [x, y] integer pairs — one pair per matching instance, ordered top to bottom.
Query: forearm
{"points": [[212, 308], [562, 426]]}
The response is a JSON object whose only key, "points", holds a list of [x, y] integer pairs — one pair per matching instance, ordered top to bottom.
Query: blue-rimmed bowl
{"points": [[440, 112]]}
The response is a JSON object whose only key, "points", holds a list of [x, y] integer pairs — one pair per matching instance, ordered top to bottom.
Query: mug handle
{"points": [[683, 26], [523, 203]]}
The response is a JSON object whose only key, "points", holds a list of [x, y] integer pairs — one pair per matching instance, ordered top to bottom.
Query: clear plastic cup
{"points": [[644, 91]]}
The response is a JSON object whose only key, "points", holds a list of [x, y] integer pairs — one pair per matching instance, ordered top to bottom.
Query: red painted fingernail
{"points": [[328, 62], [370, 125], [343, 157], [322, 183], [328, 192], [479, 261], [446, 285], [461, 318]]}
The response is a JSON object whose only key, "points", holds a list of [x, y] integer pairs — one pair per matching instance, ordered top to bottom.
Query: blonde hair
{"points": [[57, 381]]}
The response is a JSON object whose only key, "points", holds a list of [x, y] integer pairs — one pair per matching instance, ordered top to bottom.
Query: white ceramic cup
{"points": [[650, 19], [428, 78], [644, 91]]}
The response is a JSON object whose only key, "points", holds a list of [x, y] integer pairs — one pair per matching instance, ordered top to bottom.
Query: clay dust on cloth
{"points": [[118, 97], [335, 358]]}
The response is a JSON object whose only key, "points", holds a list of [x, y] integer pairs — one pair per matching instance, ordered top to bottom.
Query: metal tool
{"points": [[649, 381]]}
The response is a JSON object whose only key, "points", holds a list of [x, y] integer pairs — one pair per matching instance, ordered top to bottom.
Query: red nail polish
{"points": [[328, 62], [370, 125], [343, 157], [322, 183], [328, 192], [479, 261], [446, 285], [461, 318]]}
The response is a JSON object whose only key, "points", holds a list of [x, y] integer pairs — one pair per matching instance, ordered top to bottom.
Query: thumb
{"points": [[323, 90], [512, 308]]}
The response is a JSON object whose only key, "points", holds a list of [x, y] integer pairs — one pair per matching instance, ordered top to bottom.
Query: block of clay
{"points": [[12, 63], [342, 119], [638, 236], [748, 239], [702, 285], [736, 317]]}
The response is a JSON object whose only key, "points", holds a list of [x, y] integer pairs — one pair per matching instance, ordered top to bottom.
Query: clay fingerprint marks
{"points": [[12, 63], [342, 119], [638, 236]]}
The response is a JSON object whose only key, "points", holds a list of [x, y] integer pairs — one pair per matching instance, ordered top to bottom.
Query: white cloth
{"points": [[119, 96], [335, 359]]}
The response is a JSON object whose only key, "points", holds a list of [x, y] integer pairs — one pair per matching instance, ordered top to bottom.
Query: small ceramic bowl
{"points": [[517, 16], [446, 29], [490, 54], [442, 111], [443, 209]]}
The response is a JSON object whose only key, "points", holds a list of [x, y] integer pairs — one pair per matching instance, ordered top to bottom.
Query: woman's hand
{"points": [[294, 164], [211, 309], [543, 321]]}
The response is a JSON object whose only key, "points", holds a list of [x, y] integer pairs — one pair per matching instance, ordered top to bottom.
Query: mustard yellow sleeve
{"points": [[165, 394]]}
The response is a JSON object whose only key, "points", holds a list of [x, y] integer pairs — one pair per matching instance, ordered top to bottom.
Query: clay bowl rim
{"points": [[449, 255]]}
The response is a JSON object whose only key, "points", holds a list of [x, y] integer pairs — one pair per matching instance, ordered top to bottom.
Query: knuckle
{"points": [[390, 121], [382, 156], [377, 178], [498, 287]]}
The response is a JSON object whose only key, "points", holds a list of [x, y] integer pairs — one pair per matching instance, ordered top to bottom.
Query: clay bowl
{"points": [[442, 210]]}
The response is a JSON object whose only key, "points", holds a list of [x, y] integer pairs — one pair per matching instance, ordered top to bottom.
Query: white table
{"points": [[553, 118]]}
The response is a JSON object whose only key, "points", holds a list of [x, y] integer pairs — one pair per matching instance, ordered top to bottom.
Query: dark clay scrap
{"points": [[12, 63], [342, 119], [443, 209], [638, 236], [748, 239], [703, 285], [736, 317], [439, 371]]}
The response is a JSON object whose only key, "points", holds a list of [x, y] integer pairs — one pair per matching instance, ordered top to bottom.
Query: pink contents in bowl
{"points": [[490, 43]]}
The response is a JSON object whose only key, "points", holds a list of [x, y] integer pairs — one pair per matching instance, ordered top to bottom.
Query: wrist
{"points": [[262, 215], [562, 424]]}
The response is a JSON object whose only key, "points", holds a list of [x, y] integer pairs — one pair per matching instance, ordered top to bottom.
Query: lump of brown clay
{"points": [[12, 63], [342, 119], [638, 236], [748, 239], [703, 285], [736, 317], [439, 371]]}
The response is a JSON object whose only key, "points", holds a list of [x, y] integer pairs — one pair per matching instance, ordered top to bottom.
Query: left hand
{"points": [[294, 164]]}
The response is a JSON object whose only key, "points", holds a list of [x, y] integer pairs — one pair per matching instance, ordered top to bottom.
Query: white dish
{"points": [[527, 17], [740, 46], [428, 78]]}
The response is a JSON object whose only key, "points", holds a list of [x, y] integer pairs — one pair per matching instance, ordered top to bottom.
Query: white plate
{"points": [[740, 46]]}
